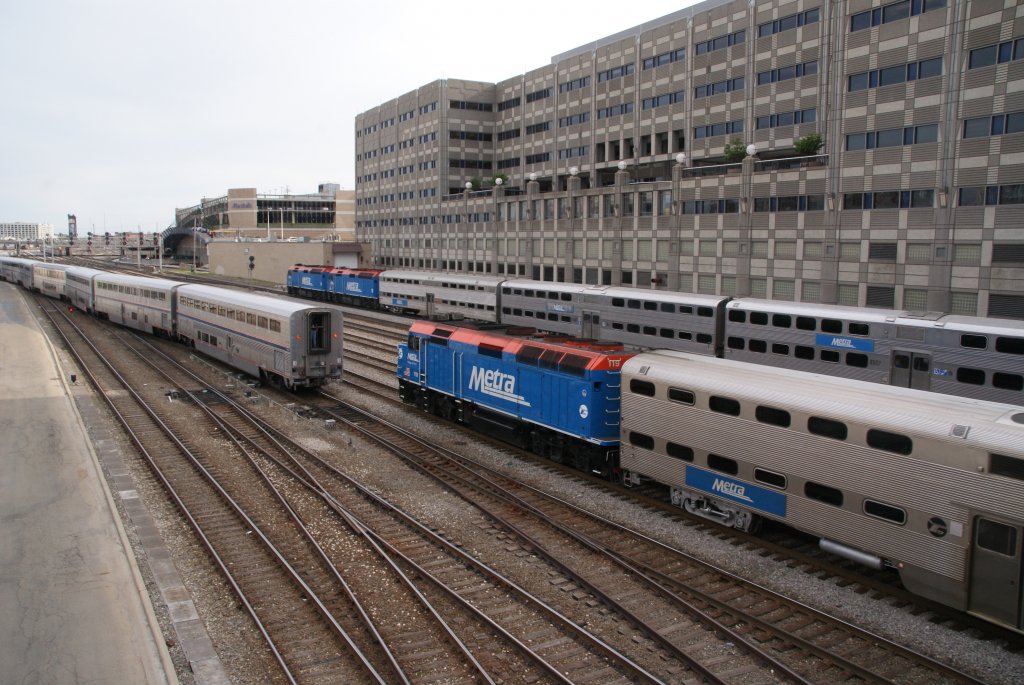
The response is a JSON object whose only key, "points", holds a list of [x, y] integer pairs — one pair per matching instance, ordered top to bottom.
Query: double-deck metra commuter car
{"points": [[440, 295], [928, 484]]}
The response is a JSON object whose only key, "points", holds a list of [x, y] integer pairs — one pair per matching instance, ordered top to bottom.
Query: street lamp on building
{"points": [[494, 224], [570, 252]]}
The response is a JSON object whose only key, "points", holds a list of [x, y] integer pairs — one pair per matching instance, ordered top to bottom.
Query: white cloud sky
{"points": [[119, 111]]}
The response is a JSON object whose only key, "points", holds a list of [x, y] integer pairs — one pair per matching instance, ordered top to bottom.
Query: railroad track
{"points": [[776, 541], [655, 582], [494, 615], [302, 630]]}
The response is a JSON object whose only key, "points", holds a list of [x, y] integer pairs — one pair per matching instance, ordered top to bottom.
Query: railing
{"points": [[791, 163], [712, 170], [486, 192]]}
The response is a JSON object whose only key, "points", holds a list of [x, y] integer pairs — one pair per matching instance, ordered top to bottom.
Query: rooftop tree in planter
{"points": [[808, 145], [735, 151]]}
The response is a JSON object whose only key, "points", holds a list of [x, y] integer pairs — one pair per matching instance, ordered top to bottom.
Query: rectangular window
{"points": [[894, 11]]}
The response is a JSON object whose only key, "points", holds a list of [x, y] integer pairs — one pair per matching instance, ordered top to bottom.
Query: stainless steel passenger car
{"points": [[17, 270], [49, 278], [78, 287], [440, 296], [145, 304], [631, 316], [281, 341], [954, 355], [931, 485]]}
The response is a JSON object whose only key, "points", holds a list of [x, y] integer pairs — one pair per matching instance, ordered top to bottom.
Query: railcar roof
{"points": [[19, 260], [53, 265], [84, 271], [350, 271], [438, 276], [137, 281], [551, 286], [665, 296], [272, 305], [832, 311], [899, 317], [977, 324], [600, 356], [817, 394]]}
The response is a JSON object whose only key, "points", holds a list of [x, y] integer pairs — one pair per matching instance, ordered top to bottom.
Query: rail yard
{"points": [[410, 550]]}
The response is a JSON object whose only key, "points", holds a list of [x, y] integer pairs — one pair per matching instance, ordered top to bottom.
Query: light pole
{"points": [[496, 192], [676, 208], [465, 231], [195, 239], [570, 251]]}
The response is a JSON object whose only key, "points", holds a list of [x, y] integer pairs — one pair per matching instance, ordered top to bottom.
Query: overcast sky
{"points": [[119, 111]]}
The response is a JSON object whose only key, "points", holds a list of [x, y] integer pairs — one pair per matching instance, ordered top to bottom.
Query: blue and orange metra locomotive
{"points": [[558, 398]]}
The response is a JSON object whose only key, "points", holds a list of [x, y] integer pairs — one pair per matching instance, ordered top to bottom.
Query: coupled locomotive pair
{"points": [[280, 341], [956, 355], [930, 485]]}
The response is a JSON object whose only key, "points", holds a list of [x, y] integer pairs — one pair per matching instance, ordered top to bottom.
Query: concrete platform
{"points": [[73, 605]]}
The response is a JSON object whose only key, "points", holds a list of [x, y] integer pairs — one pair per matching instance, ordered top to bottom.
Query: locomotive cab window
{"points": [[529, 355], [574, 364]]}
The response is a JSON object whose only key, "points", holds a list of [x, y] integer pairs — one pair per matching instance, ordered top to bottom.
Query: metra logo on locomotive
{"points": [[351, 286], [495, 383], [727, 487]]}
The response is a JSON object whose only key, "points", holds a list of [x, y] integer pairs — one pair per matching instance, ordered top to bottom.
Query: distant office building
{"points": [[614, 166], [243, 212], [24, 230]]}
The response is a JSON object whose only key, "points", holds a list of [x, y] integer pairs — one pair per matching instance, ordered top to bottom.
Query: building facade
{"points": [[609, 165], [327, 214], [25, 231]]}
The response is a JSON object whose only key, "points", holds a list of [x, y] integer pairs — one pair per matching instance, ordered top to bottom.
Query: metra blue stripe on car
{"points": [[844, 343], [738, 491]]}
